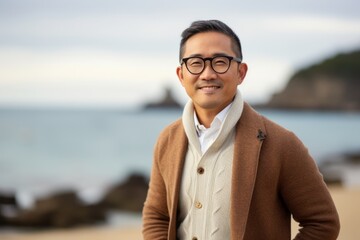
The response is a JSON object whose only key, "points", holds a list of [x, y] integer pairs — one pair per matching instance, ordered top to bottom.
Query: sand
{"points": [[347, 202]]}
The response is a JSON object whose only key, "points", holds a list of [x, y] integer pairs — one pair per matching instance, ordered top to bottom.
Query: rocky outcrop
{"points": [[333, 84], [167, 102], [342, 169], [129, 195], [8, 199], [8, 205], [64, 209], [61, 210]]}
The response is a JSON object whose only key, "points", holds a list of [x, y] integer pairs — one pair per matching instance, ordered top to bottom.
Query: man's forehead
{"points": [[208, 36], [208, 46]]}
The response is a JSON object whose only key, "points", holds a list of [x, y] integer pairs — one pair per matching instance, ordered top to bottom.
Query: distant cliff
{"points": [[333, 84]]}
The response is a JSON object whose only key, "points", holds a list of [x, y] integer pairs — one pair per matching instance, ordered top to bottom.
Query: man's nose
{"points": [[208, 73]]}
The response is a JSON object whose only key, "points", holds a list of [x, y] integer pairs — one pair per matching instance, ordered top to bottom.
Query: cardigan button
{"points": [[200, 170], [198, 205], [194, 238]]}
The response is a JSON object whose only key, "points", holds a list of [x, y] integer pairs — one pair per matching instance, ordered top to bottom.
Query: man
{"points": [[223, 171]]}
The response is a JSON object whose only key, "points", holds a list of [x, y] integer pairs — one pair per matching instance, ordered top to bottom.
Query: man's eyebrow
{"points": [[220, 54], [196, 55], [213, 55]]}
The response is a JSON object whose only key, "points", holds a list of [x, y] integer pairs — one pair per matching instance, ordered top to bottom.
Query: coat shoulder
{"points": [[253, 119], [171, 130], [276, 135]]}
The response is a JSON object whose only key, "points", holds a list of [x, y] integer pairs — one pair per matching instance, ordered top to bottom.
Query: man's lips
{"points": [[209, 84], [209, 88]]}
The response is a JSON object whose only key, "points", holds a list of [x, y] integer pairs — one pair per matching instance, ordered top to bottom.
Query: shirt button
{"points": [[200, 170], [198, 205], [194, 238]]}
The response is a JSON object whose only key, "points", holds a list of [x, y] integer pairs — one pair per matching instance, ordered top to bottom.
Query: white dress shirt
{"points": [[208, 135]]}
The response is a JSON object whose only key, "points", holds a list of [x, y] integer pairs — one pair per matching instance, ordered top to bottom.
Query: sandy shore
{"points": [[346, 200], [347, 203], [90, 233]]}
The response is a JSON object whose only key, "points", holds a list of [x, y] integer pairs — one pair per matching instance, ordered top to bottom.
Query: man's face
{"points": [[210, 91]]}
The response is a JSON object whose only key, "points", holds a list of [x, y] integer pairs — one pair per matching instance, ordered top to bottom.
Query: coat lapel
{"points": [[250, 133], [178, 153]]}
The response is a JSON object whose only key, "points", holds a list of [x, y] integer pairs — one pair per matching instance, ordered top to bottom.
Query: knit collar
{"points": [[232, 117], [217, 122]]}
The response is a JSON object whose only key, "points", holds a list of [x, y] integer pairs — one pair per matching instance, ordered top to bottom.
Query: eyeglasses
{"points": [[220, 64]]}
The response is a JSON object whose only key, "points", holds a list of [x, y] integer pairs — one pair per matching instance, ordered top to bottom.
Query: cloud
{"points": [[307, 24], [103, 50], [82, 65], [81, 77]]}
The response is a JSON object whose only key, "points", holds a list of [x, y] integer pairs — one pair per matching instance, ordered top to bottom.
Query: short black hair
{"points": [[210, 26]]}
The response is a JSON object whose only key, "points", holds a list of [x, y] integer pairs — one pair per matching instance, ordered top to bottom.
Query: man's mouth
{"points": [[209, 89]]}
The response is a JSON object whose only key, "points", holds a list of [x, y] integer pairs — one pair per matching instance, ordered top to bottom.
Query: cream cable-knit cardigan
{"points": [[273, 176], [204, 204]]}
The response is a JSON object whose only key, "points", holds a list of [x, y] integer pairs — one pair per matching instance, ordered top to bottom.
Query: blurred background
{"points": [[86, 87]]}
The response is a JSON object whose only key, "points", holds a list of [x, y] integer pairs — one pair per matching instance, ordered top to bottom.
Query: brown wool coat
{"points": [[273, 177]]}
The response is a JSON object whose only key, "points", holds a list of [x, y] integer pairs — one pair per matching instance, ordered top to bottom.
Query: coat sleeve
{"points": [[306, 194], [155, 211]]}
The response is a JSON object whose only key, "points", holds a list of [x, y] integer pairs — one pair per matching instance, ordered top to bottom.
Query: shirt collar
{"points": [[220, 117]]}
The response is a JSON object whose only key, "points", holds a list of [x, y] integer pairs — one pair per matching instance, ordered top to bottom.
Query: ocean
{"points": [[45, 150]]}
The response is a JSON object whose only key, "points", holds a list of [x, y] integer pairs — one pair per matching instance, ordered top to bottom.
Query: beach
{"points": [[346, 199], [89, 233]]}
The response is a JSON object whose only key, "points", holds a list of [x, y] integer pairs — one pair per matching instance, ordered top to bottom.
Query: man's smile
{"points": [[209, 89]]}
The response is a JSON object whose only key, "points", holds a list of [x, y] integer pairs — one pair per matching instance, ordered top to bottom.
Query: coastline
{"points": [[346, 201]]}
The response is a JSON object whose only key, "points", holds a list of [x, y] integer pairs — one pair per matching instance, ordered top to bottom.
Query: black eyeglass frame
{"points": [[230, 58]]}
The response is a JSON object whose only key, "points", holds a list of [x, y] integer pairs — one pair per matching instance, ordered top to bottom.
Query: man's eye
{"points": [[220, 62], [195, 63]]}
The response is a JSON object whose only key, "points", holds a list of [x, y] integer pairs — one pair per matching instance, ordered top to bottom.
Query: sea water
{"points": [[45, 150]]}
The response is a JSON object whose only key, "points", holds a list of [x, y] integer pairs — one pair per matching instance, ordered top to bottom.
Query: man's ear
{"points": [[242, 72], [180, 75]]}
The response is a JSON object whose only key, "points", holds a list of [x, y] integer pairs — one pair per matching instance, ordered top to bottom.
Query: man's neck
{"points": [[205, 117]]}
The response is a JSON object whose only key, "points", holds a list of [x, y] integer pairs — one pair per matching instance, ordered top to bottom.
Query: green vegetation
{"points": [[344, 65], [333, 84]]}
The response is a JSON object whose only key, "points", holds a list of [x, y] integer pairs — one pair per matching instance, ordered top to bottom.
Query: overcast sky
{"points": [[122, 53]]}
